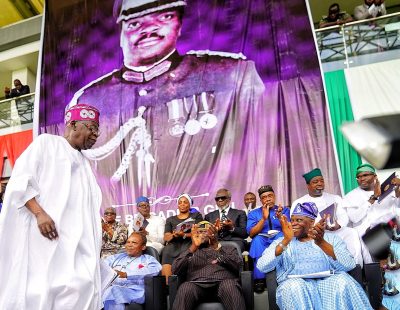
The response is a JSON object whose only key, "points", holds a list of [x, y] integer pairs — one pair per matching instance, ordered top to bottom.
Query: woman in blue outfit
{"points": [[259, 222]]}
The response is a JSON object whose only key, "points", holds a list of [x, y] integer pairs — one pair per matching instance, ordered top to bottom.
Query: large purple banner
{"points": [[193, 97]]}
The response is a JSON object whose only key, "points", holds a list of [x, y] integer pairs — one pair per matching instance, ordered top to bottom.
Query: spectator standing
{"points": [[370, 9], [335, 17], [19, 90], [362, 204], [50, 225]]}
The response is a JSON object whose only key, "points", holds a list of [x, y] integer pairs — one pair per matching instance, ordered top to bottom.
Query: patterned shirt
{"points": [[111, 245]]}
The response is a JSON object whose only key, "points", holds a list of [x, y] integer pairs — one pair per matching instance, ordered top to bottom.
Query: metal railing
{"points": [[350, 43], [16, 111]]}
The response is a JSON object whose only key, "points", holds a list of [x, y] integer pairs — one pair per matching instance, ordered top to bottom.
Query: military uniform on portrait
{"points": [[177, 110]]}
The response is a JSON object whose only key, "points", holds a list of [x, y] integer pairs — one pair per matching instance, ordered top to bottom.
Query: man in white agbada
{"points": [[315, 186], [362, 204], [153, 226], [50, 227]]}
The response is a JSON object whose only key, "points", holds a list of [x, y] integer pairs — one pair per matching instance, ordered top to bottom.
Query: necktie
{"points": [[223, 216], [223, 219], [145, 223]]}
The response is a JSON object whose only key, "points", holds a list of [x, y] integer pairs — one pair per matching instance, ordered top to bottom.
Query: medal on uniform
{"points": [[207, 120], [176, 126], [192, 126]]}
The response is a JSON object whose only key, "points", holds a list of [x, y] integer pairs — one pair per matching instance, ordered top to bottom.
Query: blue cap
{"points": [[142, 199], [308, 209]]}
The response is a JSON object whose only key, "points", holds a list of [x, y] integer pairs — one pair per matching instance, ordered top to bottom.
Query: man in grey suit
{"points": [[230, 223]]}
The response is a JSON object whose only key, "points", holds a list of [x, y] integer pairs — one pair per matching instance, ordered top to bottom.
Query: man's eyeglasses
{"points": [[93, 129], [360, 176], [221, 198], [109, 213]]}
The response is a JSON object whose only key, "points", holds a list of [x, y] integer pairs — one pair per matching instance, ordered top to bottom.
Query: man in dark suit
{"points": [[19, 90], [230, 223], [209, 269]]}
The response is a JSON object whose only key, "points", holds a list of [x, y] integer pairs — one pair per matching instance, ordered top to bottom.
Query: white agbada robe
{"points": [[363, 215], [347, 234], [36, 273]]}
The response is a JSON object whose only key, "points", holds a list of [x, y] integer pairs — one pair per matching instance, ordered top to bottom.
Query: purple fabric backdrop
{"points": [[272, 119]]}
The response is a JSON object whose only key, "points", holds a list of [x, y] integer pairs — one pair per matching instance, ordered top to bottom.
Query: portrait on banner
{"points": [[192, 95]]}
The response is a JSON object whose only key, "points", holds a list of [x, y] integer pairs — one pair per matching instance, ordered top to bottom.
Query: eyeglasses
{"points": [[93, 129], [364, 176], [221, 198], [144, 206], [109, 213]]}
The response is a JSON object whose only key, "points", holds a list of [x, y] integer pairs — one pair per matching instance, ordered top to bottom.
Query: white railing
{"points": [[377, 39], [16, 111]]}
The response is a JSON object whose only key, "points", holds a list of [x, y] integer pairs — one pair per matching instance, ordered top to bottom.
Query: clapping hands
{"points": [[287, 228], [317, 231]]}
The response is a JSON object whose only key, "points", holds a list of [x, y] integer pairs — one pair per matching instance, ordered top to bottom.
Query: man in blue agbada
{"points": [[259, 222], [304, 249]]}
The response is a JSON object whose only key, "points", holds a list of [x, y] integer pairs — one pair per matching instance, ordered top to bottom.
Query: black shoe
{"points": [[259, 287]]}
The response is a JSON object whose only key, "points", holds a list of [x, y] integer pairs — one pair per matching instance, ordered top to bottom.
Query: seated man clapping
{"points": [[303, 250], [132, 267], [210, 269]]}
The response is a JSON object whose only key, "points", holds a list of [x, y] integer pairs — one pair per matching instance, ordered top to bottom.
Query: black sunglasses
{"points": [[221, 198], [109, 213]]}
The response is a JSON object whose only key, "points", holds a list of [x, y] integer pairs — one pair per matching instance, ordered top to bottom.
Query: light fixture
{"points": [[377, 139]]}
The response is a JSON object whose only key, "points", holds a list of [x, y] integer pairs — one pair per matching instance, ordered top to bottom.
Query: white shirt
{"points": [[324, 201], [249, 210], [226, 212], [363, 215], [155, 228], [347, 234]]}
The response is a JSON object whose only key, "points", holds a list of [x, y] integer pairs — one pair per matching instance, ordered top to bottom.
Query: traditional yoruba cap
{"points": [[136, 8], [81, 112], [365, 168], [312, 174], [265, 188], [187, 196], [142, 199], [308, 209]]}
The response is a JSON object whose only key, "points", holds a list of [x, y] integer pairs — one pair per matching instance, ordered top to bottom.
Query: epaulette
{"points": [[202, 53]]}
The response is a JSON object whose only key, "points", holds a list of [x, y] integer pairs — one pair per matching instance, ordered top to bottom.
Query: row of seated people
{"points": [[261, 220], [212, 269]]}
